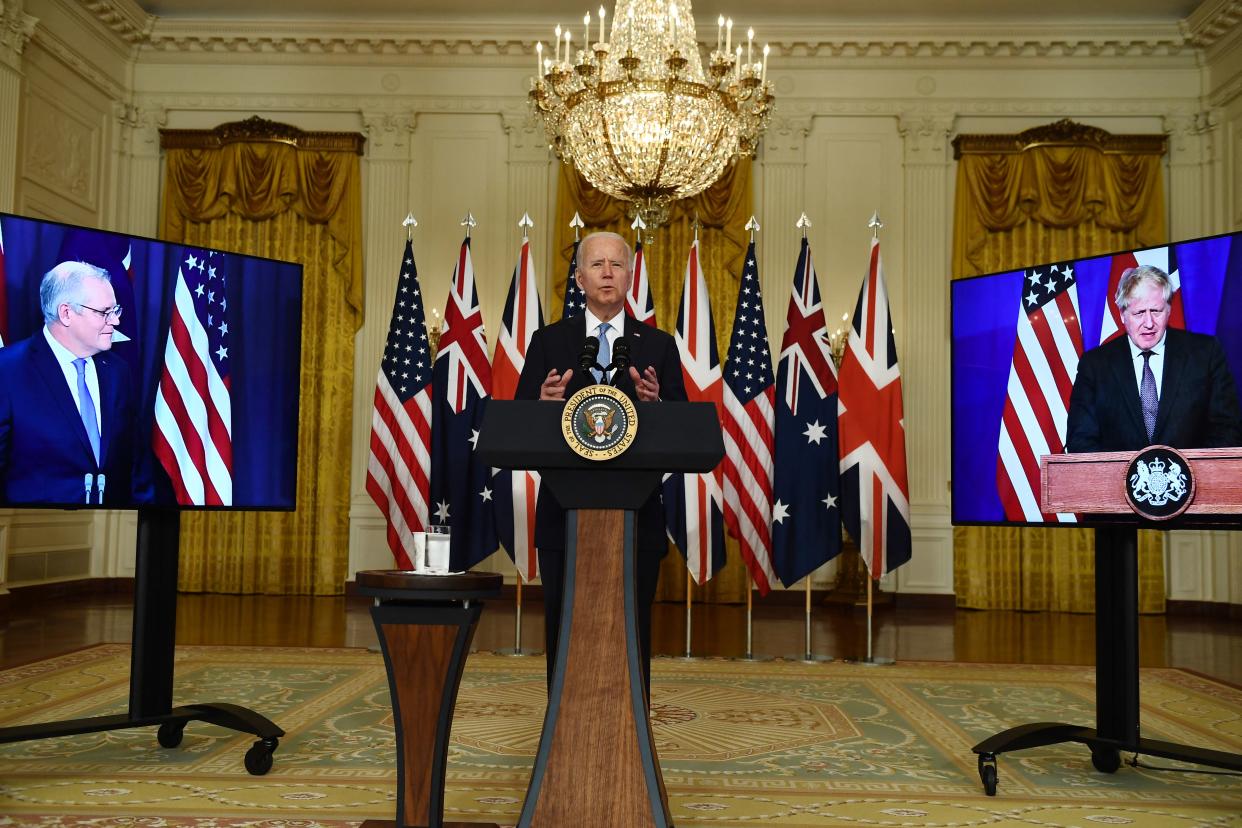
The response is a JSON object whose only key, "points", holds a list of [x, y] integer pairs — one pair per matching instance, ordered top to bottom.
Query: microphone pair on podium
{"points": [[588, 357], [90, 481]]}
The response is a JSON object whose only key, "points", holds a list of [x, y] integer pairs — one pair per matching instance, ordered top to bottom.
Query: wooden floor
{"points": [[1211, 646]]}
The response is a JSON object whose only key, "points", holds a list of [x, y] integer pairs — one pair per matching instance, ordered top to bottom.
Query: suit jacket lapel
{"points": [[1174, 371], [1123, 379], [58, 390]]}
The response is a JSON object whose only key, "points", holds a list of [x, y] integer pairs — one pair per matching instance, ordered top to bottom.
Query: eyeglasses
{"points": [[113, 312]]}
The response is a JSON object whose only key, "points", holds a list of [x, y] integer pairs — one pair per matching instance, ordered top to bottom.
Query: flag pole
{"points": [[689, 587], [808, 655], [872, 660]]}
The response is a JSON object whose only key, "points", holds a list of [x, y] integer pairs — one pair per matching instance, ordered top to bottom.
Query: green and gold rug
{"points": [[741, 744]]}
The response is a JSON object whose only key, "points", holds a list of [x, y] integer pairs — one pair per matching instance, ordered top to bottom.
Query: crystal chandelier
{"points": [[636, 114]]}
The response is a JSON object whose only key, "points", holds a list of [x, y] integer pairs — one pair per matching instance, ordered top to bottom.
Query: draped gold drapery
{"points": [[271, 190], [1053, 193], [722, 211]]}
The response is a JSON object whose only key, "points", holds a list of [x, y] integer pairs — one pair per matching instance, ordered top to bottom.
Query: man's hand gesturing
{"points": [[553, 387]]}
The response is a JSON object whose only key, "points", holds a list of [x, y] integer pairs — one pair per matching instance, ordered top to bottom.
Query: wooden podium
{"points": [[1094, 485], [425, 624], [597, 762]]}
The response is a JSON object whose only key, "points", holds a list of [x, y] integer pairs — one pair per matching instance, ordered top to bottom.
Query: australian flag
{"points": [[461, 493], [806, 518]]}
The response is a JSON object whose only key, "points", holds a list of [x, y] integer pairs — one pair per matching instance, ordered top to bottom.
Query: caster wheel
{"points": [[170, 733], [259, 758], [1106, 760], [987, 773]]}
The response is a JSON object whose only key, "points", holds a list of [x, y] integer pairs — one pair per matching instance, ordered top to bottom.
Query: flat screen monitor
{"points": [[1017, 338], [138, 373]]}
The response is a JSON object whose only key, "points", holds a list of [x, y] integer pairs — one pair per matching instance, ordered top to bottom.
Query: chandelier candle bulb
{"points": [[601, 25], [586, 30], [719, 32], [729, 35], [750, 38], [568, 39], [556, 58], [538, 59], [737, 64], [764, 76]]}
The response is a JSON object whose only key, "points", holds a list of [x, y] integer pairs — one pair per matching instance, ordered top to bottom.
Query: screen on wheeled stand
{"points": [[139, 373]]}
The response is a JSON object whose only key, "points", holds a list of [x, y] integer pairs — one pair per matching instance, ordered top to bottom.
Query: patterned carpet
{"points": [[741, 744]]}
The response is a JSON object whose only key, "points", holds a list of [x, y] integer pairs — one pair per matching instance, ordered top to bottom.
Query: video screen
{"points": [[1017, 340], [137, 373]]}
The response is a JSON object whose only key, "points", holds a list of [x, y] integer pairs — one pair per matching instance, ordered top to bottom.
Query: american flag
{"points": [[1164, 258], [575, 301], [638, 302], [1041, 376], [748, 430], [193, 434], [399, 465], [461, 485], [515, 492], [875, 494], [693, 503], [806, 519]]}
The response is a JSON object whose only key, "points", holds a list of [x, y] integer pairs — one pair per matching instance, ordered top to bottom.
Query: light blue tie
{"points": [[605, 351], [86, 407]]}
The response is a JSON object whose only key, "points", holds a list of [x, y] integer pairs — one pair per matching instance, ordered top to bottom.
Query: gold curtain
{"points": [[271, 190], [1058, 192], [722, 211]]}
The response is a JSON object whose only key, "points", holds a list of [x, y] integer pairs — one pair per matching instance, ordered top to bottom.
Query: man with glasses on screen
{"points": [[1154, 386], [66, 407]]}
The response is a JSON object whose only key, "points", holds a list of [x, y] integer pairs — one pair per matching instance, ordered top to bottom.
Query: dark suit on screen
{"points": [[557, 346], [1198, 399], [44, 451]]}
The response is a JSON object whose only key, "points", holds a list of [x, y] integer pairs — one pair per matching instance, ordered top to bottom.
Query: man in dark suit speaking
{"points": [[604, 270], [1154, 386], [66, 410]]}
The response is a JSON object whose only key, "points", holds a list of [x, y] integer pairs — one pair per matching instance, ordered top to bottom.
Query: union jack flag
{"points": [[1164, 258], [638, 302], [1041, 377], [748, 424], [193, 434], [399, 464], [461, 492], [515, 492], [875, 494], [693, 503], [806, 519]]}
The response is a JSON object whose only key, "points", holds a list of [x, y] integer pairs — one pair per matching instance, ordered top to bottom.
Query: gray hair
{"points": [[605, 234], [1132, 278], [63, 284]]}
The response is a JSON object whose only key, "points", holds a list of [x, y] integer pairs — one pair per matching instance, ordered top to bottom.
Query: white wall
{"points": [[863, 122]]}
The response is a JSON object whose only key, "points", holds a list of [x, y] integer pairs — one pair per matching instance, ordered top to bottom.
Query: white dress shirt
{"points": [[614, 333], [65, 358], [1156, 360]]}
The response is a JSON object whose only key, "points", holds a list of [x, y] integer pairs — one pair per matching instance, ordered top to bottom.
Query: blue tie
{"points": [[605, 351], [86, 406]]}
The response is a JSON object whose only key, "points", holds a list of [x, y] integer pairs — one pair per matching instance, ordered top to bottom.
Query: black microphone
{"points": [[589, 353], [620, 358]]}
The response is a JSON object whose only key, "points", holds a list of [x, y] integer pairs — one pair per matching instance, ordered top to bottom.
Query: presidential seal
{"points": [[599, 422], [1159, 483]]}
